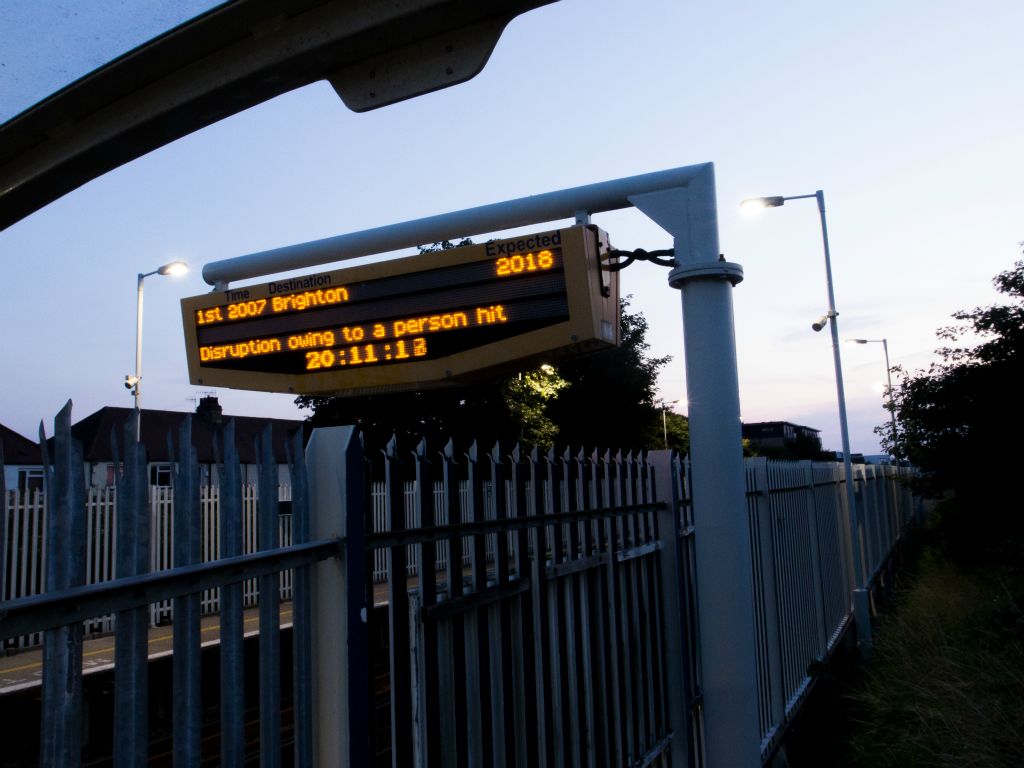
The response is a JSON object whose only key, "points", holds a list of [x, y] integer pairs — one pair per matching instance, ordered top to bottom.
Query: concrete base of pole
{"points": [[862, 617]]}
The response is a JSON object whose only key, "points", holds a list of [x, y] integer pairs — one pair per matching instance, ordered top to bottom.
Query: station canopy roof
{"points": [[88, 86]]}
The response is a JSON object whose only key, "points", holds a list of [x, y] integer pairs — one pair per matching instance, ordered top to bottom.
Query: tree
{"points": [[527, 396], [610, 398], [602, 400], [960, 420], [677, 429], [800, 448]]}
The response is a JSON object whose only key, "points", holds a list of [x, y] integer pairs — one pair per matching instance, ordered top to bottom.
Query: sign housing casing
{"points": [[432, 320]]}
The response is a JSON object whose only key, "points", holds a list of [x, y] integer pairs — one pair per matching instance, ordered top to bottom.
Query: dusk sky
{"points": [[907, 114]]}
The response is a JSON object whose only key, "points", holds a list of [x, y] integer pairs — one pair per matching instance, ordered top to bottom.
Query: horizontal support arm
{"points": [[550, 206]]}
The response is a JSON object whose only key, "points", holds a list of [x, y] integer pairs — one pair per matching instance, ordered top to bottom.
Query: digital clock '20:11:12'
{"points": [[367, 354]]}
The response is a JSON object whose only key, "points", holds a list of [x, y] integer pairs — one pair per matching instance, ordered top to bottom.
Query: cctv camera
{"points": [[821, 323], [130, 381]]}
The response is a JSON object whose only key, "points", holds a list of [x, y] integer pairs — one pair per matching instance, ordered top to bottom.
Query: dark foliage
{"points": [[604, 400], [610, 400], [960, 422]]}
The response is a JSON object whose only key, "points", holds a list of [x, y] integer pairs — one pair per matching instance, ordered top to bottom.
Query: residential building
{"points": [[95, 431], [783, 439], [22, 459]]}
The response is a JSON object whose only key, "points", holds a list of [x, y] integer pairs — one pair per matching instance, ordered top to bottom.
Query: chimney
{"points": [[209, 410]]}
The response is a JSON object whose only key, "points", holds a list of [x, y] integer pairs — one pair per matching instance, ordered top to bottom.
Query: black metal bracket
{"points": [[663, 258]]}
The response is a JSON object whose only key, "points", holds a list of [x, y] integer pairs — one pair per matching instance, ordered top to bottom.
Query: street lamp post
{"points": [[888, 378], [133, 382], [664, 423], [861, 603]]}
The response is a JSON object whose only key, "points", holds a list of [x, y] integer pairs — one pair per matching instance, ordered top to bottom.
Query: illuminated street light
{"points": [[754, 204], [173, 268], [888, 377], [664, 424], [861, 603]]}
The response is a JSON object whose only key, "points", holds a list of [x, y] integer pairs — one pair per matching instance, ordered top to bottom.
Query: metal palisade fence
{"points": [[66, 601], [555, 625], [539, 634]]}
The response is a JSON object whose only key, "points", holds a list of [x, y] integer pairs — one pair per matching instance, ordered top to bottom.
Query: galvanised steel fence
{"points": [[25, 546], [803, 575], [61, 611], [557, 626], [539, 637]]}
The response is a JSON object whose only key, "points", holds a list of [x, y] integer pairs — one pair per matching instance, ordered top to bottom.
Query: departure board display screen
{"points": [[419, 321]]}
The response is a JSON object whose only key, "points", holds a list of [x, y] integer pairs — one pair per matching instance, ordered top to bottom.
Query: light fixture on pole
{"points": [[888, 378], [132, 382], [664, 423], [861, 602]]}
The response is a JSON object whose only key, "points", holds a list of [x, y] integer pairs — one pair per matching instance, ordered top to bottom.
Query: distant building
{"points": [[95, 430], [780, 435], [878, 458], [23, 463]]}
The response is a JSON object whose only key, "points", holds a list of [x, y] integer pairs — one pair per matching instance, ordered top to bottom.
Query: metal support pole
{"points": [[138, 356], [888, 377], [892, 405], [722, 533], [861, 598], [341, 686]]}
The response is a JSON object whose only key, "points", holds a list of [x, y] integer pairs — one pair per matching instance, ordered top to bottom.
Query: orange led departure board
{"points": [[423, 321]]}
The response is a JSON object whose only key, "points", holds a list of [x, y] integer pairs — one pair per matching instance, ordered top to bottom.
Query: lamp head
{"points": [[752, 204], [174, 268], [820, 323], [859, 341]]}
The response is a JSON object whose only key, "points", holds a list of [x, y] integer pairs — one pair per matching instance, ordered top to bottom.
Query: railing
{"points": [[26, 545], [803, 574], [61, 612], [557, 624], [539, 638]]}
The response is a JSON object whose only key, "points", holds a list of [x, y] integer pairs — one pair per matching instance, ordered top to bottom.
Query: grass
{"points": [[945, 685]]}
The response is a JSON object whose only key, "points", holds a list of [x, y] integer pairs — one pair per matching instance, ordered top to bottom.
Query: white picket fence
{"points": [[26, 540], [26, 545]]}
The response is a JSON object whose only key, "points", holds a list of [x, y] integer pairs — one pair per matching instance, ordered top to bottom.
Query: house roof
{"points": [[95, 430], [18, 449]]}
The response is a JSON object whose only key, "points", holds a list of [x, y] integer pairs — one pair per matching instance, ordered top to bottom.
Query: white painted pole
{"points": [[525, 211], [138, 356], [334, 462], [722, 534], [861, 598]]}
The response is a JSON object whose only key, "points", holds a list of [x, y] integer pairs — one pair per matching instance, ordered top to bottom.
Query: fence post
{"points": [[763, 525], [3, 530], [670, 532], [270, 606], [131, 627], [186, 664], [341, 686], [61, 721]]}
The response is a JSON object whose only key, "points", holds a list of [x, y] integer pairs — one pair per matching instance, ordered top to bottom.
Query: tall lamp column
{"points": [[888, 379], [133, 382], [664, 422], [861, 601]]}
